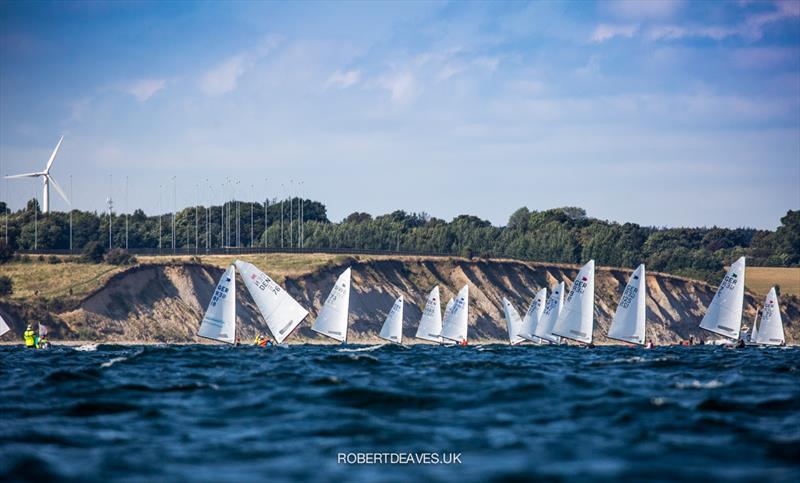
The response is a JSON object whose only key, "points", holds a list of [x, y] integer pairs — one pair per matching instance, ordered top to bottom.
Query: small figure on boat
{"points": [[30, 337], [238, 341], [43, 343], [463, 343], [649, 344], [740, 344], [590, 345]]}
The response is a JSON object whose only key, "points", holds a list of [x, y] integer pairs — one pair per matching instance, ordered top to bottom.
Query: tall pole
{"points": [[252, 190], [110, 191], [282, 192], [174, 204], [266, 205], [208, 211], [126, 212], [70, 216], [302, 216], [159, 217], [222, 217], [197, 222], [35, 223]]}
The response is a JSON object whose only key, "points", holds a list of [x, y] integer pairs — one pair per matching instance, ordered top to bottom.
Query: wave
{"points": [[363, 349], [695, 384]]}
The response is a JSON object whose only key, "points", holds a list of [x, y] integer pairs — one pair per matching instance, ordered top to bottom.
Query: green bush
{"points": [[6, 252], [93, 252], [118, 256], [52, 259], [6, 285]]}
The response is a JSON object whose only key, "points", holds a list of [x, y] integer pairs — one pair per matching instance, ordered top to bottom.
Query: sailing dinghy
{"points": [[279, 309], [552, 309], [724, 315], [533, 316], [332, 319], [456, 319], [629, 320], [576, 321], [513, 322], [219, 323], [430, 325], [3, 326], [392, 329], [771, 331]]}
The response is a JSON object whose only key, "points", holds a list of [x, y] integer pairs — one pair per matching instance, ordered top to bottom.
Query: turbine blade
{"points": [[53, 156], [26, 175], [58, 188]]}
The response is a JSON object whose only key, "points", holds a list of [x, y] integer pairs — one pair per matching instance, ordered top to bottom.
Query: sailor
{"points": [[30, 337], [257, 340], [691, 340], [43, 342], [649, 344], [740, 344]]}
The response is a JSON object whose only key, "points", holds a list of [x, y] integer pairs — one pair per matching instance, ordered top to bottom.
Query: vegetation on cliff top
{"points": [[564, 235]]}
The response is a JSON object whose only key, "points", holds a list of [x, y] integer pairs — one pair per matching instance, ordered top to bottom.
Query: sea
{"points": [[210, 413]]}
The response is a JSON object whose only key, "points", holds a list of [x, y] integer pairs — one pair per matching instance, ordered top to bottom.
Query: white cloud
{"points": [[605, 32], [224, 77], [343, 80], [402, 86], [144, 89]]}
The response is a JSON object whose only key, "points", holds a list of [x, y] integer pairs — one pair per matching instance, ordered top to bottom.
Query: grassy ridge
{"points": [[75, 280]]}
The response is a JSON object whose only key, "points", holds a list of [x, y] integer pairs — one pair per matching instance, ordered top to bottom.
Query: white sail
{"points": [[278, 308], [552, 309], [724, 315], [533, 316], [332, 319], [577, 319], [456, 320], [629, 320], [513, 322], [219, 323], [430, 325], [3, 326], [392, 329], [754, 331], [771, 331]]}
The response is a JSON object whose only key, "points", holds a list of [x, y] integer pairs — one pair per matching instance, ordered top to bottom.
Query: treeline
{"points": [[558, 235]]}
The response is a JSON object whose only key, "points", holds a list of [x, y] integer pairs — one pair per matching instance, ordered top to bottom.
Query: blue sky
{"points": [[658, 112]]}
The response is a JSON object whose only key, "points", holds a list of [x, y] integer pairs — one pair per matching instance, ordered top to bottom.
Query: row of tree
{"points": [[557, 235]]}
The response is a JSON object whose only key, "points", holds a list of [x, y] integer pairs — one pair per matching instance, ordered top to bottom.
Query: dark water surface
{"points": [[200, 413]]}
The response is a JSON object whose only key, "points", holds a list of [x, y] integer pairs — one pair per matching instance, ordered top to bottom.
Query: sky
{"points": [[662, 113]]}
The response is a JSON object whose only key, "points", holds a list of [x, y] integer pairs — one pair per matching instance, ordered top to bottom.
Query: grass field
{"points": [[760, 279], [76, 280]]}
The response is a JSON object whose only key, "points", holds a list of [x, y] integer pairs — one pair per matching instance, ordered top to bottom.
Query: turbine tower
{"points": [[46, 180]]}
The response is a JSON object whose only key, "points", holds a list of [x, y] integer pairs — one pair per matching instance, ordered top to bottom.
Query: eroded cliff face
{"points": [[166, 302]]}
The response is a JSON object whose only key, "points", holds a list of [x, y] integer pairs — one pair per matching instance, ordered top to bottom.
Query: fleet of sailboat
{"points": [[548, 319]]}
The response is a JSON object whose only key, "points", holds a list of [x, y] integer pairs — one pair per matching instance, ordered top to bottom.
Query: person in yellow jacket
{"points": [[30, 338]]}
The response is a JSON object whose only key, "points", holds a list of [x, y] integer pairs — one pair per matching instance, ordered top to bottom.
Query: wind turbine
{"points": [[46, 180]]}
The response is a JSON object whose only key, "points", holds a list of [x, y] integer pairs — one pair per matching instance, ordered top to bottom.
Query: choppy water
{"points": [[239, 414]]}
